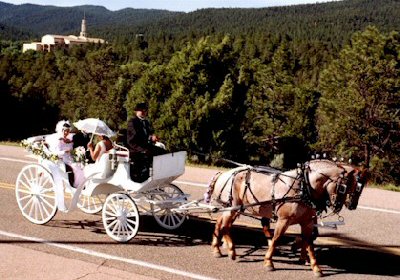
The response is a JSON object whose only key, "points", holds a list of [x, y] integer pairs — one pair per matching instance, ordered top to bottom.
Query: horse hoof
{"points": [[217, 254], [232, 257], [302, 262], [269, 267], [318, 274]]}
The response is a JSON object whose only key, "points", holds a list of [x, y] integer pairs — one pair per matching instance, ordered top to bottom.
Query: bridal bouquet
{"points": [[78, 155]]}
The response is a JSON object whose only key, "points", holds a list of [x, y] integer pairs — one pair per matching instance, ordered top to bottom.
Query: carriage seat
{"points": [[101, 169]]}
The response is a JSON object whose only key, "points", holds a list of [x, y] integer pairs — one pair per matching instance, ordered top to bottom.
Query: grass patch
{"points": [[10, 143], [387, 187]]}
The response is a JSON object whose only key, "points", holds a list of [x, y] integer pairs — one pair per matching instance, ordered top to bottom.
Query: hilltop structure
{"points": [[51, 42]]}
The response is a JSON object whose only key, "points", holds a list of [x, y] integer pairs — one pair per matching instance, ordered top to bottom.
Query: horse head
{"points": [[333, 179], [354, 193]]}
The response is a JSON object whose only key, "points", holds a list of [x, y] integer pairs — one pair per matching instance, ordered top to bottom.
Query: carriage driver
{"points": [[141, 143]]}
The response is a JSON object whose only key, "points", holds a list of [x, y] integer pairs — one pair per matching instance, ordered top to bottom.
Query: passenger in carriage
{"points": [[141, 142], [61, 144], [103, 146], [100, 167]]}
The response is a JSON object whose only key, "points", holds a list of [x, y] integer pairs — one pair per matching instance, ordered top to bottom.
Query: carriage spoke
{"points": [[30, 174], [39, 179], [46, 181], [26, 185], [25, 191], [48, 196], [21, 198], [46, 202], [27, 204], [32, 205], [36, 208], [40, 208], [45, 208], [111, 214], [110, 218], [164, 219], [174, 219], [133, 222], [128, 224], [111, 225], [118, 228], [125, 230]]}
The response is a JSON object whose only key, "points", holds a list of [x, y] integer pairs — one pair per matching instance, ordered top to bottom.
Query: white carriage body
{"points": [[112, 172], [41, 188]]}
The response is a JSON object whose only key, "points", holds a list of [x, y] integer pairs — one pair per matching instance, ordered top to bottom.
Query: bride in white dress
{"points": [[103, 146]]}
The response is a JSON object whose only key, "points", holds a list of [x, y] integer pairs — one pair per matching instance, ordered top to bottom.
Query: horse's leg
{"points": [[227, 221], [265, 223], [280, 228], [307, 231], [315, 233], [216, 240], [303, 252]]}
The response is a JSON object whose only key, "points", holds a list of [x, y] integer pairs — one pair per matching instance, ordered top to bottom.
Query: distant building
{"points": [[51, 42]]}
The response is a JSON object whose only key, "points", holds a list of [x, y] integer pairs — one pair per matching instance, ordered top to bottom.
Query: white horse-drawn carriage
{"points": [[41, 189], [299, 194]]}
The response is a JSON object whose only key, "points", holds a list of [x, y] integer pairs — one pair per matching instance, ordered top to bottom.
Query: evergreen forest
{"points": [[267, 86]]}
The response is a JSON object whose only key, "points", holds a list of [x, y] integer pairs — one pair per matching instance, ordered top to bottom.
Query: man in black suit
{"points": [[141, 140]]}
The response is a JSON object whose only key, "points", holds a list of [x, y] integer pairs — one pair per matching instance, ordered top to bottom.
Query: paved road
{"points": [[75, 245]]}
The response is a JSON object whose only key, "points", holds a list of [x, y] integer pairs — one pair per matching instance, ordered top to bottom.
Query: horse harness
{"points": [[303, 193]]}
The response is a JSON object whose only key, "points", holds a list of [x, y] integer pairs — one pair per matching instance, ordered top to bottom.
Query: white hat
{"points": [[61, 125]]}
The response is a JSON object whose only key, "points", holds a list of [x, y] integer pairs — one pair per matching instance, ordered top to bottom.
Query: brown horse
{"points": [[353, 193], [291, 197]]}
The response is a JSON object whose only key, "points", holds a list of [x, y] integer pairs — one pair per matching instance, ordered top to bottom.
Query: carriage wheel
{"points": [[34, 191], [91, 204], [162, 212], [120, 217]]}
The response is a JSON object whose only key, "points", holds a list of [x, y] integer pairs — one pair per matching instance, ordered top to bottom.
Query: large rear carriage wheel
{"points": [[34, 191], [167, 198], [120, 217]]}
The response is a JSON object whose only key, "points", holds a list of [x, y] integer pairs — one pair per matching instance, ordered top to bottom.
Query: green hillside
{"points": [[61, 20], [329, 22]]}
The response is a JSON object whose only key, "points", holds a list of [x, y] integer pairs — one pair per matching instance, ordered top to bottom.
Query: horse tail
{"points": [[211, 186]]}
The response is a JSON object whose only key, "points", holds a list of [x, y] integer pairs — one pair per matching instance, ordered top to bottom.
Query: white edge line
{"points": [[19, 160], [191, 184], [379, 209], [107, 256]]}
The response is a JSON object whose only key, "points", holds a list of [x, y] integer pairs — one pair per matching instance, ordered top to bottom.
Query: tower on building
{"points": [[83, 27]]}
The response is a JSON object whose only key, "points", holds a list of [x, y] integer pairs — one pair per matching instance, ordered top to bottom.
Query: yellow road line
{"points": [[7, 186], [12, 187]]}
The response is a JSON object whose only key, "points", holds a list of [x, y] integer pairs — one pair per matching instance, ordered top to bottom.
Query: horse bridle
{"points": [[338, 197], [354, 197]]}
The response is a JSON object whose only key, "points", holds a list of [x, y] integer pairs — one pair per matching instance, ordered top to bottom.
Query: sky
{"points": [[171, 5]]}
